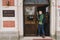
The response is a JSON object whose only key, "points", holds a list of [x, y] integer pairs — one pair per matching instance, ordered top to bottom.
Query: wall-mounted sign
{"points": [[8, 2], [8, 13], [8, 24]]}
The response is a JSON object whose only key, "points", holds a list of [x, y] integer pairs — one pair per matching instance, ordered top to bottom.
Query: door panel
{"points": [[30, 27]]}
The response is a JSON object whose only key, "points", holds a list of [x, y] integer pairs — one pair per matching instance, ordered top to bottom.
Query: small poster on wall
{"points": [[58, 15], [58, 19]]}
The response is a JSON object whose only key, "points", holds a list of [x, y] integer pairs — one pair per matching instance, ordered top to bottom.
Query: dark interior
{"points": [[47, 23]]}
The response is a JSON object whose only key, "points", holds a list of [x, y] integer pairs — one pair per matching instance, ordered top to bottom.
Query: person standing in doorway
{"points": [[41, 23]]}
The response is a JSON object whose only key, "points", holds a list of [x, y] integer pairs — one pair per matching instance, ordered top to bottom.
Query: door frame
{"points": [[52, 20]]}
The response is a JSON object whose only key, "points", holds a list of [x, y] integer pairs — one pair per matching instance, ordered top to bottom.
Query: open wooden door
{"points": [[30, 26]]}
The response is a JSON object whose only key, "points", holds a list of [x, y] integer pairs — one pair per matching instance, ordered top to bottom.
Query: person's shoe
{"points": [[38, 35], [43, 36]]}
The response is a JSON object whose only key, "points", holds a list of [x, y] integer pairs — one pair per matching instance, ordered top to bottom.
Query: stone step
{"points": [[37, 38], [46, 38], [42, 39]]}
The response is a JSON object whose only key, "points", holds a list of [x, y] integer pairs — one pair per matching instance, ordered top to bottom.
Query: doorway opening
{"points": [[46, 12], [30, 17]]}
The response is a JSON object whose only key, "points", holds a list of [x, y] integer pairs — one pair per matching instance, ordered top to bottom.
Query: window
{"points": [[29, 10]]}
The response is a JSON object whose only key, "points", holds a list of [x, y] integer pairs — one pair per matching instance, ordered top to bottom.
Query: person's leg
{"points": [[38, 29], [43, 29]]}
